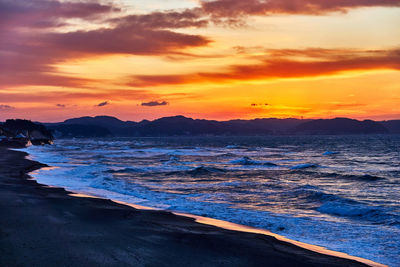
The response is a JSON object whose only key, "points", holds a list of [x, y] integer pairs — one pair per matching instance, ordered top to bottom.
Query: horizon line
{"points": [[174, 116]]}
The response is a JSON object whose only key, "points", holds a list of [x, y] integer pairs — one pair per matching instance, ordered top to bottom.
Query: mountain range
{"points": [[103, 126]]}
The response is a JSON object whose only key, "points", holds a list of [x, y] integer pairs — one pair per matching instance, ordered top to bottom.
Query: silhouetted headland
{"points": [[103, 126], [21, 133]]}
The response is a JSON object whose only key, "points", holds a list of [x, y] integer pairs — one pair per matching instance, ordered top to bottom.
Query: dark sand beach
{"points": [[43, 226]]}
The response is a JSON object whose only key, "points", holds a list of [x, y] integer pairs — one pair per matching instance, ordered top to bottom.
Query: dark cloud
{"points": [[239, 8], [48, 13], [164, 20], [121, 40], [318, 62], [154, 103], [102, 104], [259, 105], [61, 106], [6, 107]]}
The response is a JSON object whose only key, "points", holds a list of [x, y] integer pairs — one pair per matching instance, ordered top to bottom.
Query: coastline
{"points": [[72, 230]]}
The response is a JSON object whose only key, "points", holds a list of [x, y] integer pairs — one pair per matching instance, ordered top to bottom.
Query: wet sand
{"points": [[45, 226]]}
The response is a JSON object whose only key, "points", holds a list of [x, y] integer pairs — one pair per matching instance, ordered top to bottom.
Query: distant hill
{"points": [[105, 121], [112, 124], [103, 126], [170, 126], [261, 126], [341, 126], [392, 126], [80, 131]]}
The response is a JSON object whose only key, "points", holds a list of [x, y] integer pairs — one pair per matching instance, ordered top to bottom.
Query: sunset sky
{"points": [[214, 59]]}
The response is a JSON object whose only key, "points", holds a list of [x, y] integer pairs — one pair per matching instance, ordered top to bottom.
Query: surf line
{"points": [[248, 229]]}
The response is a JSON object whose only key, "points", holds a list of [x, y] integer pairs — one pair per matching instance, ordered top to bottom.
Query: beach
{"points": [[45, 226]]}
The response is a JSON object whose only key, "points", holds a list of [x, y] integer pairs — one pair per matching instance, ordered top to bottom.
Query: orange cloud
{"points": [[319, 62], [31, 96]]}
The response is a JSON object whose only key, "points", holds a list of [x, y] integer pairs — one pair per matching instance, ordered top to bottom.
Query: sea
{"points": [[339, 192]]}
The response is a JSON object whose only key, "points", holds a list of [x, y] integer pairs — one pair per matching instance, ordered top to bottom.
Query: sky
{"points": [[209, 59]]}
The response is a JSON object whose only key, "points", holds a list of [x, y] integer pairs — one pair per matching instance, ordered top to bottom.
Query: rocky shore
{"points": [[23, 133]]}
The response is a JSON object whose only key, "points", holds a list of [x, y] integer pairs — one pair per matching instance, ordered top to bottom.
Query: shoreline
{"points": [[243, 228], [262, 246]]}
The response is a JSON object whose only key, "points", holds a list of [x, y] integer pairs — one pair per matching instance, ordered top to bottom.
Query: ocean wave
{"points": [[234, 147], [329, 153], [228, 155], [172, 160], [248, 161], [304, 166], [125, 170], [202, 170], [359, 177], [363, 177], [315, 194], [339, 206], [348, 210], [359, 211]]}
